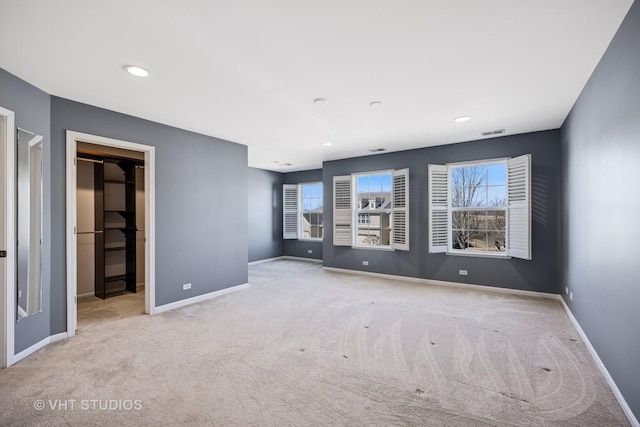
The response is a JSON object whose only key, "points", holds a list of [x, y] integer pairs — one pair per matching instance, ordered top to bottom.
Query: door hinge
{"points": [[3, 254]]}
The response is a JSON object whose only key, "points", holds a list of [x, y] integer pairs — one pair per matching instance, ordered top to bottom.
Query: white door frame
{"points": [[149, 203], [8, 281]]}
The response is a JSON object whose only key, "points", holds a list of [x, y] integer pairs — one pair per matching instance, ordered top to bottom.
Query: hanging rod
{"points": [[82, 159], [139, 166], [90, 232]]}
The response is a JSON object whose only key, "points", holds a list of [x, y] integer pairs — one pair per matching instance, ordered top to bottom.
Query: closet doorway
{"points": [[110, 228]]}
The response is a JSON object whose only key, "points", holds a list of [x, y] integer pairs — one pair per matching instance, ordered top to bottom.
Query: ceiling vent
{"points": [[493, 132], [376, 150]]}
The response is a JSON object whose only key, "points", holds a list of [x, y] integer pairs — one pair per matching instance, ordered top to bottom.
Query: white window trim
{"points": [[347, 207], [299, 209], [356, 210], [302, 212], [517, 213], [484, 254]]}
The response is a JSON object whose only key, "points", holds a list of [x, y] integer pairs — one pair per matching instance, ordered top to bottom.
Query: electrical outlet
{"points": [[309, 251], [365, 262], [462, 272], [186, 286], [566, 290], [571, 296]]}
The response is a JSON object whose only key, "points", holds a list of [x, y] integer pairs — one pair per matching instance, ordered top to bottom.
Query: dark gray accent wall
{"points": [[32, 112], [601, 143], [201, 203], [265, 214], [301, 248], [541, 274]]}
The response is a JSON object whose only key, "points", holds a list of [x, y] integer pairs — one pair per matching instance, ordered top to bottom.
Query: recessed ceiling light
{"points": [[136, 70], [320, 101], [375, 104], [462, 119], [327, 144], [376, 150], [275, 161]]}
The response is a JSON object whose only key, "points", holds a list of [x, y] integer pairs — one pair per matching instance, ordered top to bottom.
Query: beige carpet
{"points": [[307, 347]]}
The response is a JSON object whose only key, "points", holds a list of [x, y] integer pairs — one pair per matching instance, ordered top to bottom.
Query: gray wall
{"points": [[32, 112], [601, 143], [201, 203], [265, 214], [301, 248], [540, 274]]}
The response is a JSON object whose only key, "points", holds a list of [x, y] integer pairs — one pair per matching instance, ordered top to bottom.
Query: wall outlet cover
{"points": [[186, 286]]}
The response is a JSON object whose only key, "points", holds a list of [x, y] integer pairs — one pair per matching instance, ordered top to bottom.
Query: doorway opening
{"points": [[110, 229], [110, 232]]}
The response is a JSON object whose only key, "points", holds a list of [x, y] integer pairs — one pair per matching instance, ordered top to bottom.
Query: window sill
{"points": [[310, 240], [375, 248], [479, 255]]}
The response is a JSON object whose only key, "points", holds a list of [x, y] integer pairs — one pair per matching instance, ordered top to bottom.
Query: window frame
{"points": [[346, 207], [357, 209], [451, 209], [302, 211], [293, 212], [518, 218]]}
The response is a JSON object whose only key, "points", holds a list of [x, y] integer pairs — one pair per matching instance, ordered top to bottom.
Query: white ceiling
{"points": [[249, 70]]}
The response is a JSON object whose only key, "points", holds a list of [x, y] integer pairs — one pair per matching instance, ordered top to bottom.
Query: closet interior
{"points": [[110, 222]]}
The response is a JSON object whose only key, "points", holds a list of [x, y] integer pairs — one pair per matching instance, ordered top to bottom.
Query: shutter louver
{"points": [[519, 204], [438, 209], [400, 210], [290, 211], [342, 211]]}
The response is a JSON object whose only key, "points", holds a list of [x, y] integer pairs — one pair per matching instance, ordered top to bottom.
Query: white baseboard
{"points": [[295, 258], [299, 258], [262, 261], [449, 284], [199, 298], [37, 346], [614, 388]]}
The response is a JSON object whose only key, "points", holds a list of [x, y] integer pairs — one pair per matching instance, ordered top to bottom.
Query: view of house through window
{"points": [[478, 206], [373, 210], [311, 218]]}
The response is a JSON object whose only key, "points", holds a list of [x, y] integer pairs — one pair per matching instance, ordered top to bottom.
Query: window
{"points": [[373, 192], [481, 208], [371, 210], [302, 211], [311, 225]]}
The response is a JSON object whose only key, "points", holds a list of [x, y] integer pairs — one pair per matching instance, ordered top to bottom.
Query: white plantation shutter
{"points": [[519, 204], [438, 209], [400, 210], [290, 211], [342, 211]]}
